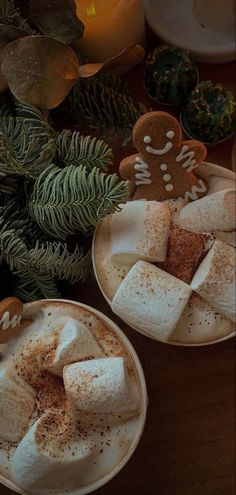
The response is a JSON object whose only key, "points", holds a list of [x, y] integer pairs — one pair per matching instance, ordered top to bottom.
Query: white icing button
{"points": [[170, 134], [147, 139], [163, 167], [166, 177], [169, 187]]}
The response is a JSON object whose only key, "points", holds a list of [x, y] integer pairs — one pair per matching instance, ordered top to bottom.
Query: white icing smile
{"points": [[155, 151]]}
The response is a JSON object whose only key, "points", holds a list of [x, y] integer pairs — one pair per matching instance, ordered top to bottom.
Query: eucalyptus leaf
{"points": [[57, 19], [11, 32], [8, 33], [123, 61], [40, 71], [3, 84]]}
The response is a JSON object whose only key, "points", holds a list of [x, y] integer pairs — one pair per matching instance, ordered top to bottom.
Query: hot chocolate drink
{"points": [[168, 268], [72, 401]]}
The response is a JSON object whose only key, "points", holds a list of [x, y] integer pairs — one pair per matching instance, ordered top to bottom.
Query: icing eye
{"points": [[170, 134], [147, 139]]}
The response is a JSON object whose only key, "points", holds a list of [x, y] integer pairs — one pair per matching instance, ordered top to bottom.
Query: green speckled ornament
{"points": [[170, 75], [210, 113]]}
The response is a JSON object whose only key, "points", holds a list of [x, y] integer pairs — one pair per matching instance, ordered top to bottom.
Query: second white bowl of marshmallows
{"points": [[168, 268]]}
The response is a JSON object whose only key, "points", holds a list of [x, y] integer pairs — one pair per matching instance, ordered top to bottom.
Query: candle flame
{"points": [[91, 9]]}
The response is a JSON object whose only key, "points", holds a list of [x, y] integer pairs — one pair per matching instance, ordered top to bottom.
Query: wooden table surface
{"points": [[188, 445]]}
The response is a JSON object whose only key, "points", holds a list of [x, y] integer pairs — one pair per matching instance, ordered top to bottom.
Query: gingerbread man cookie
{"points": [[164, 165], [11, 322]]}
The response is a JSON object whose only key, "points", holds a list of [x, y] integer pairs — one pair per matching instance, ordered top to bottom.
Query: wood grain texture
{"points": [[189, 442]]}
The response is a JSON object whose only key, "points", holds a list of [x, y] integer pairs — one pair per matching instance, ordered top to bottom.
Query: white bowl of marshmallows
{"points": [[167, 268], [73, 400]]}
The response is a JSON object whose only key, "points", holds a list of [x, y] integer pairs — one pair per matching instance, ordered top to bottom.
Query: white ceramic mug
{"points": [[214, 14], [32, 308]]}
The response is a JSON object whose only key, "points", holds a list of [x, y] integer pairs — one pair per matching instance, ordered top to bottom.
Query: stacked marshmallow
{"points": [[152, 300], [55, 445]]}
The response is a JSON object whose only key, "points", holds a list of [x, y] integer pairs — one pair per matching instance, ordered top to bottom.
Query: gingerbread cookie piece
{"points": [[164, 165], [11, 322]]}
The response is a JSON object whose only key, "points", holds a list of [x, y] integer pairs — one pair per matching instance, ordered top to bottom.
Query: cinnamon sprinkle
{"points": [[185, 252]]}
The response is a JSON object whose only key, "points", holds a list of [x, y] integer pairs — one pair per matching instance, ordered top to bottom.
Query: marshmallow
{"points": [[217, 183], [175, 206], [214, 212], [140, 231], [228, 237], [215, 278], [151, 300], [200, 323], [76, 343], [100, 386], [17, 402], [51, 456]]}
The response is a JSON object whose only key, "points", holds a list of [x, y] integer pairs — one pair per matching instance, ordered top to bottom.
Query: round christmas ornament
{"points": [[170, 75], [210, 113]]}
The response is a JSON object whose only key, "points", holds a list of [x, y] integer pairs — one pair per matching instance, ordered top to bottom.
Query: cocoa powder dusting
{"points": [[185, 252], [50, 392], [61, 425]]}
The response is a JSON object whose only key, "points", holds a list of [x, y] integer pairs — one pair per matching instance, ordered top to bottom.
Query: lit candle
{"points": [[110, 26]]}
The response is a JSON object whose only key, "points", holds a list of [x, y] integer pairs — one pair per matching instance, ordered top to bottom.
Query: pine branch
{"points": [[111, 80], [104, 107], [36, 118], [27, 144], [73, 149], [35, 178], [8, 187], [71, 200], [13, 215], [14, 252], [55, 259], [44, 261], [36, 268], [27, 289]]}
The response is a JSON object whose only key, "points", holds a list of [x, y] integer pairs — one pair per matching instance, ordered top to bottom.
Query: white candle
{"points": [[110, 26]]}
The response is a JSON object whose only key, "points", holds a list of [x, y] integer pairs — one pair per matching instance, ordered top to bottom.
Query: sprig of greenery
{"points": [[104, 106], [28, 144], [74, 149], [24, 151], [51, 186], [72, 200], [13, 251], [55, 259], [39, 266], [29, 289]]}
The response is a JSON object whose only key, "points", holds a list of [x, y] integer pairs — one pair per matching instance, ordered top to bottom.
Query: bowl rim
{"points": [[162, 25], [221, 172], [143, 393]]}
